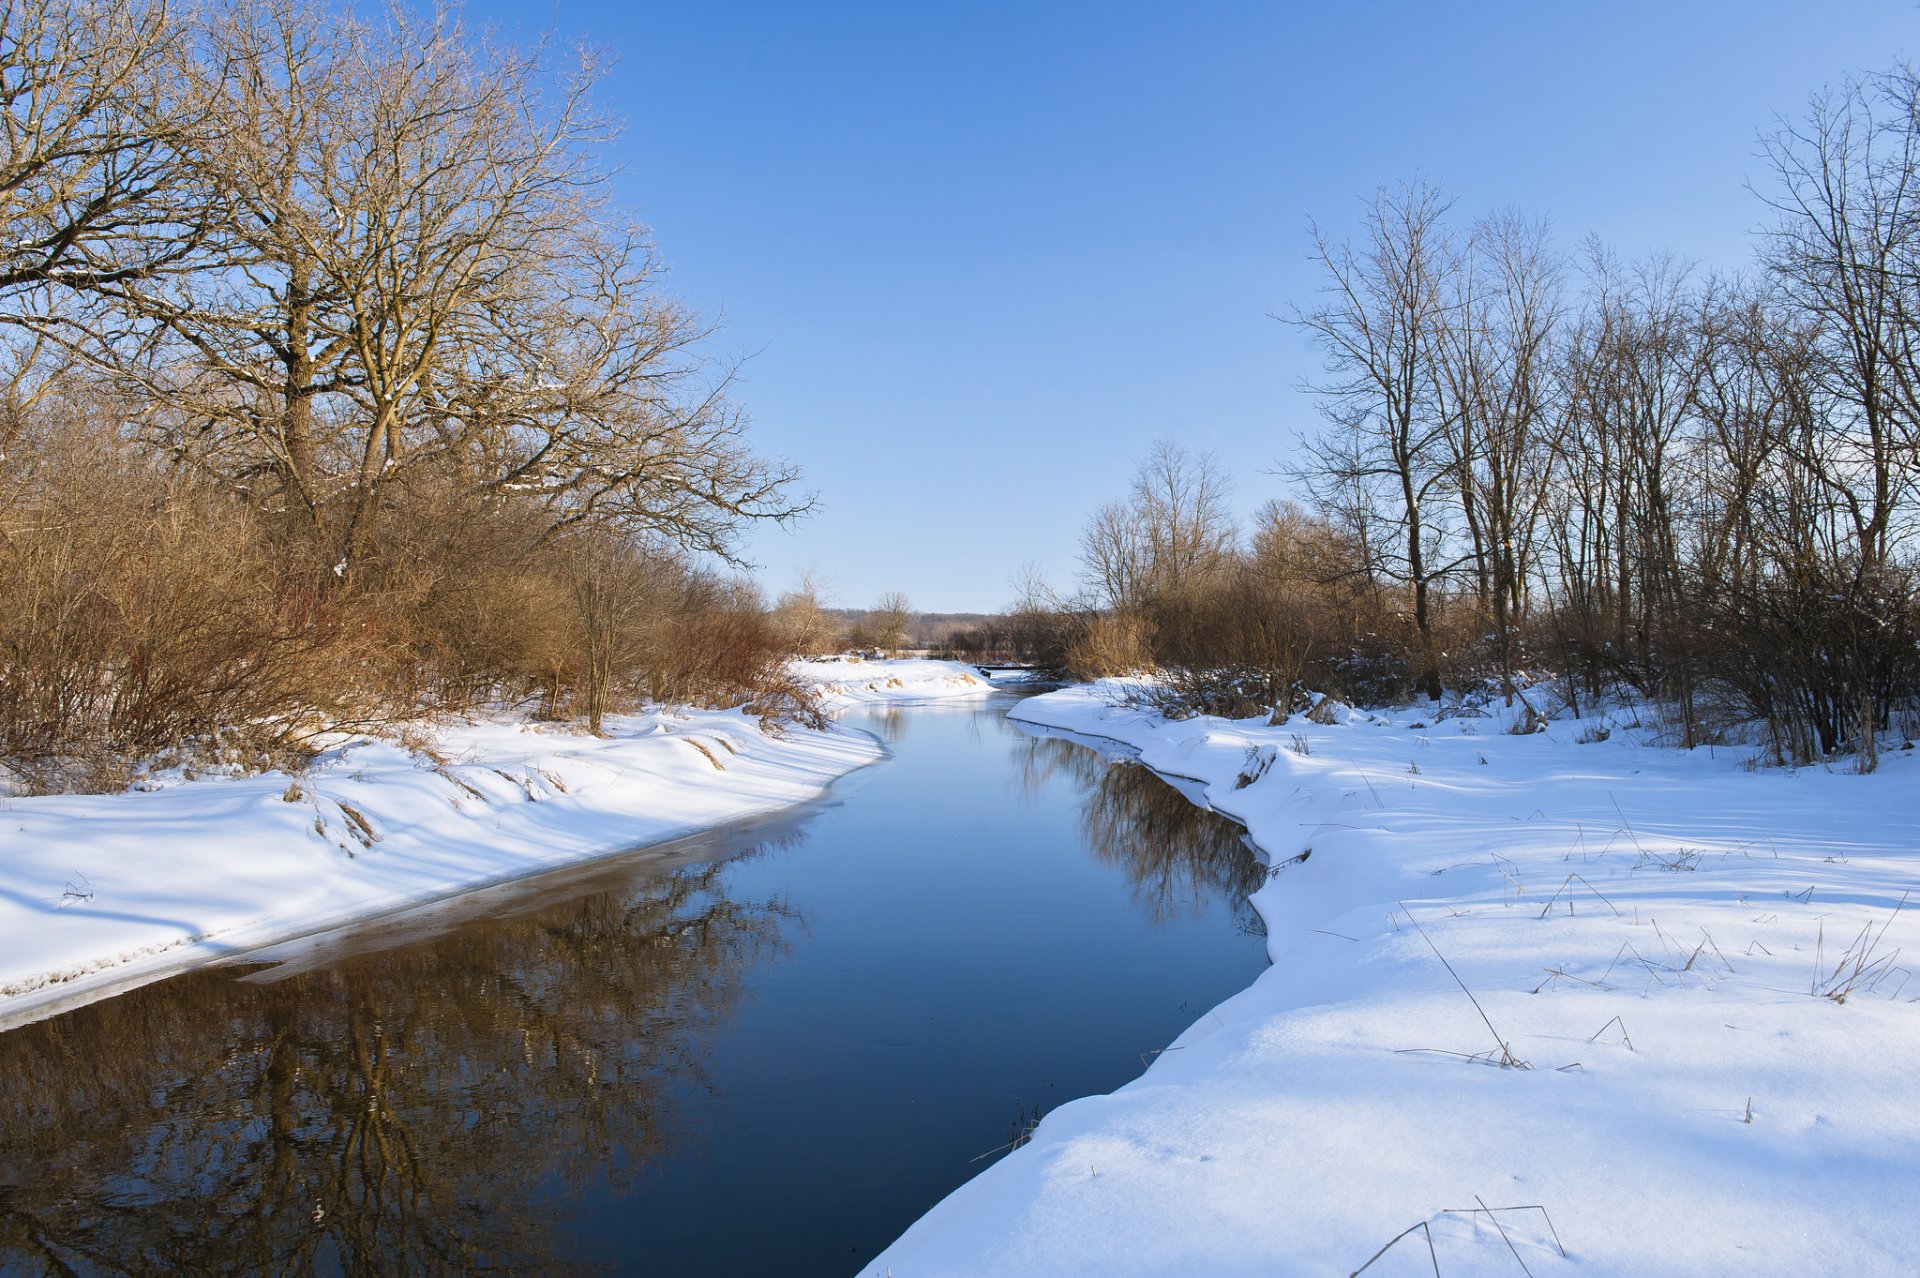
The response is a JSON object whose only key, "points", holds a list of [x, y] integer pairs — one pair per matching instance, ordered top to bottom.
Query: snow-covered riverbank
{"points": [[843, 681], [99, 893], [1650, 1007]]}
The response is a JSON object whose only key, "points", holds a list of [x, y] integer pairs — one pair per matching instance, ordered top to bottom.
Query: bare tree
{"points": [[88, 124], [90, 191], [1846, 249], [415, 267], [1379, 329], [1493, 383], [1633, 396], [1180, 498], [1761, 500], [1170, 536], [1112, 557], [800, 614], [889, 619]]}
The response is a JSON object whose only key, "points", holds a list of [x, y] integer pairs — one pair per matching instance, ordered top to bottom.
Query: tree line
{"points": [[336, 386], [1624, 476]]}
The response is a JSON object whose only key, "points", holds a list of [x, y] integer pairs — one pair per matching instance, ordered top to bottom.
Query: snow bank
{"points": [[844, 682], [101, 893], [1689, 1046]]}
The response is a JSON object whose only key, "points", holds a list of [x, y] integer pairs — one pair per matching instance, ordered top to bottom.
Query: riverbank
{"points": [[843, 681], [101, 893], [1647, 1005]]}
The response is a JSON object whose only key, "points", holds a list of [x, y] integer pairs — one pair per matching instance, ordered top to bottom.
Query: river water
{"points": [[765, 1050]]}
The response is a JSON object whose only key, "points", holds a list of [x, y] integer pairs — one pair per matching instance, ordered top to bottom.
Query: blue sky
{"points": [[980, 256]]}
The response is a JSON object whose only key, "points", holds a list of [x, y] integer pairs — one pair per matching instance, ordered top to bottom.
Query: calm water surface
{"points": [[761, 1051]]}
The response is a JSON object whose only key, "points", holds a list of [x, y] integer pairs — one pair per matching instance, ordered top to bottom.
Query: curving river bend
{"points": [[762, 1050]]}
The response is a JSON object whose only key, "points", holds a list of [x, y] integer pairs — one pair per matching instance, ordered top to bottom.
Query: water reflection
{"points": [[893, 719], [1180, 859], [637, 1057], [415, 1112]]}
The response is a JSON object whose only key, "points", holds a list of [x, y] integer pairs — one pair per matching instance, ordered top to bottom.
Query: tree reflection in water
{"points": [[1178, 857], [470, 1103], [409, 1112]]}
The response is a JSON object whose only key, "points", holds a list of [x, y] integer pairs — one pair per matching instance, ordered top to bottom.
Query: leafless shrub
{"points": [[141, 610], [1114, 644], [1229, 692]]}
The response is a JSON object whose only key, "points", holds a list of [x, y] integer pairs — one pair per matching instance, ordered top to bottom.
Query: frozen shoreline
{"points": [[103, 893], [1657, 935]]}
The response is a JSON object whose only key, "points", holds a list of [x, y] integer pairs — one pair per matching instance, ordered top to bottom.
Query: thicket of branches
{"points": [[336, 388], [1625, 476]]}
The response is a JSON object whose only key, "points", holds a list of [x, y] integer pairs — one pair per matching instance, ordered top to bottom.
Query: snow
{"points": [[845, 681], [100, 893], [1660, 937]]}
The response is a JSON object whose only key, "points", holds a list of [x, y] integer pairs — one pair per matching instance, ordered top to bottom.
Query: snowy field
{"points": [[99, 893], [1554, 1004]]}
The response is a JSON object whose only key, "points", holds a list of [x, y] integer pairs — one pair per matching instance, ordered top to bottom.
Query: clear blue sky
{"points": [[982, 255]]}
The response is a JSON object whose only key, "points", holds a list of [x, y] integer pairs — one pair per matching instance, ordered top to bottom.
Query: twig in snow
{"points": [[1376, 803], [1626, 824], [1684, 859], [1590, 887], [1674, 950], [1716, 950], [1653, 969], [1556, 974], [1623, 1032], [1476, 1058], [1507, 1058], [1468, 1211], [1492, 1214], [1503, 1234], [1431, 1254]]}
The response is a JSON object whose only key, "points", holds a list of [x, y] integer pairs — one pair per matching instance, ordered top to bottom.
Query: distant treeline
{"points": [[334, 388], [1624, 476]]}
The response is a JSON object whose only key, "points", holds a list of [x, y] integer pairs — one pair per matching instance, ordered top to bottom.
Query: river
{"points": [[763, 1050]]}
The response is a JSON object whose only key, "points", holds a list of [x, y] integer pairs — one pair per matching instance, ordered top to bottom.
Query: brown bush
{"points": [[473, 601], [141, 610], [641, 624], [1111, 644], [720, 647]]}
